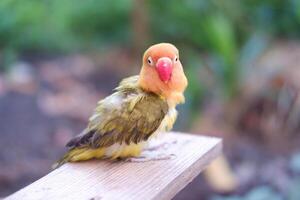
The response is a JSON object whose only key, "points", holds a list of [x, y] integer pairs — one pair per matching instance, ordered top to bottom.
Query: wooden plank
{"points": [[108, 180]]}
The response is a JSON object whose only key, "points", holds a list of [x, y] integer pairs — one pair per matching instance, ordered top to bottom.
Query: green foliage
{"points": [[62, 25], [223, 29]]}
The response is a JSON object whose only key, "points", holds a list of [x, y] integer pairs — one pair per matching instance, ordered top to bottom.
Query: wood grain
{"points": [[108, 180]]}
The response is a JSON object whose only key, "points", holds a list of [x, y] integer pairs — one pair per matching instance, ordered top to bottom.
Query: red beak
{"points": [[164, 68]]}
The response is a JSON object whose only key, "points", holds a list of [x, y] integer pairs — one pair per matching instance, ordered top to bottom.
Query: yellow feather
{"points": [[167, 123], [123, 151], [86, 154]]}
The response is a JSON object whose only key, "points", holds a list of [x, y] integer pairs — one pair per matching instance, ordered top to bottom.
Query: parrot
{"points": [[140, 108]]}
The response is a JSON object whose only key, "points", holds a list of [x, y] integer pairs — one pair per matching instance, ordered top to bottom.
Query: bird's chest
{"points": [[168, 121]]}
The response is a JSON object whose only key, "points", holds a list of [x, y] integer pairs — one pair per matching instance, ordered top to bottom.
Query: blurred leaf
{"points": [[221, 36], [8, 57], [295, 162], [294, 192], [263, 193]]}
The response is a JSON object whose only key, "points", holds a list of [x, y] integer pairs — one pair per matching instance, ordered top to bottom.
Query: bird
{"points": [[141, 107]]}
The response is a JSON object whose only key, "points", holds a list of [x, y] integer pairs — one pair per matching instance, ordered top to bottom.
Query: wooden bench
{"points": [[95, 180]]}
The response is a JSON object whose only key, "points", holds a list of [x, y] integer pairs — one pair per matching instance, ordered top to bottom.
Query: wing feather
{"points": [[124, 117]]}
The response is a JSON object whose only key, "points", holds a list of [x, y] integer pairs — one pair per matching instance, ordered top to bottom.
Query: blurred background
{"points": [[242, 60]]}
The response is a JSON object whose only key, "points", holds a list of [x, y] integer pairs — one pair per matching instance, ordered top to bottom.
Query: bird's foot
{"points": [[150, 156]]}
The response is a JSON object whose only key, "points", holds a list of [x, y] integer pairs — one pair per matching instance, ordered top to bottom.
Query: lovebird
{"points": [[141, 107]]}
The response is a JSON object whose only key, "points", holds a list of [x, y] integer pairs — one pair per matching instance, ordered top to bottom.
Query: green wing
{"points": [[129, 115]]}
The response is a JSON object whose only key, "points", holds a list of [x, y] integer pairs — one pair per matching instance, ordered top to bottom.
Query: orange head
{"points": [[162, 72]]}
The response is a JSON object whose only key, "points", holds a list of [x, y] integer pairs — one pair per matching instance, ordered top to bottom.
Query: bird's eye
{"points": [[176, 59], [149, 60]]}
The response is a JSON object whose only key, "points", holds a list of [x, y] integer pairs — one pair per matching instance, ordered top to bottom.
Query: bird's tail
{"points": [[79, 154], [68, 157], [60, 162]]}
